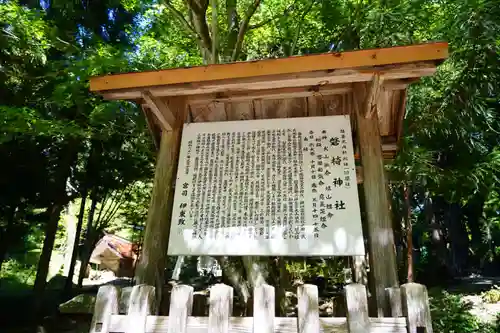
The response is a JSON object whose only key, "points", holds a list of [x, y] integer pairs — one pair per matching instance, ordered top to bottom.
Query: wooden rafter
{"points": [[307, 79], [160, 109]]}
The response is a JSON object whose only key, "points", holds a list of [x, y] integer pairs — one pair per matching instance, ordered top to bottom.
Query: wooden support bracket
{"points": [[372, 97], [160, 109]]}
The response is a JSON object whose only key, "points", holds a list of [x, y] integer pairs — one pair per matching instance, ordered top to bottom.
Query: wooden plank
{"points": [[326, 61], [318, 78], [280, 93], [372, 96], [160, 109], [151, 126], [379, 221], [359, 262], [150, 268], [394, 295], [141, 304], [106, 305], [181, 307], [220, 308], [357, 308], [416, 308], [263, 309], [308, 309], [281, 325]]}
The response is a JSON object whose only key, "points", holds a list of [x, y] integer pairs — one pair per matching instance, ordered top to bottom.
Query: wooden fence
{"points": [[410, 300]]}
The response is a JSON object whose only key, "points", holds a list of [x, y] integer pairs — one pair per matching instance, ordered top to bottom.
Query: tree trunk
{"points": [[67, 158], [409, 233], [89, 239], [459, 240], [71, 272]]}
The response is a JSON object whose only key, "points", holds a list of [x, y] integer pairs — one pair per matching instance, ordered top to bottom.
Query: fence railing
{"points": [[410, 300]]}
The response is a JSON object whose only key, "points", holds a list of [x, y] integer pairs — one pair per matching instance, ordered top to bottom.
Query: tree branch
{"points": [[199, 9], [275, 17], [299, 27], [189, 28], [244, 28], [215, 56]]}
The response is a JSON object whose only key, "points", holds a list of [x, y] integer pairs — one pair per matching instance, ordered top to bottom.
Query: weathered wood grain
{"points": [[290, 65], [382, 252], [150, 268], [394, 295], [141, 304], [106, 305], [181, 306], [416, 307], [220, 308], [263, 309], [308, 309], [358, 320], [281, 325]]}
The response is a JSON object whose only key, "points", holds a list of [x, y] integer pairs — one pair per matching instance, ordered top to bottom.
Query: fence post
{"points": [[394, 296], [141, 304], [106, 305], [181, 306], [220, 308], [416, 308], [263, 309], [308, 309], [358, 320]]}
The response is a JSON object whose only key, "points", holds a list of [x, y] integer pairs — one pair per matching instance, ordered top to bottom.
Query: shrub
{"points": [[491, 296], [451, 315]]}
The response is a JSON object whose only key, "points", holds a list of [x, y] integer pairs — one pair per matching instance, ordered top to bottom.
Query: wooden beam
{"points": [[326, 61], [317, 78], [281, 93], [372, 96], [160, 109], [151, 125], [382, 252], [151, 265]]}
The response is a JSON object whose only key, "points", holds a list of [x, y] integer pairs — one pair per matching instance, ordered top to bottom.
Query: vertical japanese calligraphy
{"points": [[267, 187]]}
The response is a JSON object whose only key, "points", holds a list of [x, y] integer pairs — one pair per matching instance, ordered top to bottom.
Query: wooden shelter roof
{"points": [[312, 85]]}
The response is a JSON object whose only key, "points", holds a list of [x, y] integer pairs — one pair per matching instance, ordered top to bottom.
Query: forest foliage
{"points": [[62, 145]]}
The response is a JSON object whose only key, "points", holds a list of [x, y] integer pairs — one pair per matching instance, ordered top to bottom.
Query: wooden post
{"points": [[382, 253], [151, 265], [394, 295], [141, 304], [106, 305], [181, 307], [357, 308], [416, 308], [220, 309], [263, 309], [308, 309]]}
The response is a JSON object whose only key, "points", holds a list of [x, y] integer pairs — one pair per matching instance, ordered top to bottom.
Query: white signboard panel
{"points": [[267, 187]]}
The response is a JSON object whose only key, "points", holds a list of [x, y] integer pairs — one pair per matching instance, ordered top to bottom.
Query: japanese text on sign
{"points": [[267, 187]]}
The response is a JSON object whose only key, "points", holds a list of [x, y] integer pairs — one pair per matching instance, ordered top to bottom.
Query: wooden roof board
{"points": [[290, 65], [312, 85]]}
